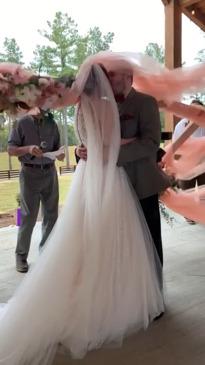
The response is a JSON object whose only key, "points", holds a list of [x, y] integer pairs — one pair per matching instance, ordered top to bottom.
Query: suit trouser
{"points": [[37, 185], [150, 207]]}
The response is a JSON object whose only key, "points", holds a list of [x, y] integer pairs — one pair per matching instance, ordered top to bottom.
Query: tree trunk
{"points": [[10, 127], [61, 129], [66, 137]]}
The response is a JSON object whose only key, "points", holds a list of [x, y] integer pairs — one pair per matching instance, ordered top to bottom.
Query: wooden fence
{"points": [[12, 174]]}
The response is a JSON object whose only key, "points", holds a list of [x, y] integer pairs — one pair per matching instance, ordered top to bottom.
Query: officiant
{"points": [[32, 136]]}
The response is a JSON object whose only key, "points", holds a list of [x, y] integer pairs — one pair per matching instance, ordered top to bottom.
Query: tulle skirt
{"points": [[95, 282]]}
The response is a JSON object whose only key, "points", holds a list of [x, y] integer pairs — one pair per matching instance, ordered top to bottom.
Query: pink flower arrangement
{"points": [[22, 89]]}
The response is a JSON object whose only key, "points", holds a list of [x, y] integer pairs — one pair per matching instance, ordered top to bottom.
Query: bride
{"points": [[97, 279]]}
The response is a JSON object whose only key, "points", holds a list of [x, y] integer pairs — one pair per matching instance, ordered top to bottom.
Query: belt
{"points": [[35, 166]]}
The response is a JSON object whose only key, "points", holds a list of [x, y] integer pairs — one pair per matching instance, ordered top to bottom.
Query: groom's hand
{"points": [[127, 140], [81, 152], [61, 157]]}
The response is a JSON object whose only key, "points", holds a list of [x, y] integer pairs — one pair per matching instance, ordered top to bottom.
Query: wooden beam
{"points": [[166, 2], [186, 3], [197, 17], [173, 35], [173, 47]]}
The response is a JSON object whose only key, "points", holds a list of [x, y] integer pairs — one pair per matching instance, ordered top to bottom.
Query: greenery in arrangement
{"points": [[166, 215]]}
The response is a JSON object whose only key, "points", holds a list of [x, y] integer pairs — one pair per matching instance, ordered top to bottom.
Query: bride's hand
{"points": [[127, 140], [81, 152]]}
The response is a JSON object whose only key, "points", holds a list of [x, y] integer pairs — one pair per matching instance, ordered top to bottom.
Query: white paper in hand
{"points": [[54, 154]]}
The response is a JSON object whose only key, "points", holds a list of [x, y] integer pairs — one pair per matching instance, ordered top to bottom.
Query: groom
{"points": [[139, 118]]}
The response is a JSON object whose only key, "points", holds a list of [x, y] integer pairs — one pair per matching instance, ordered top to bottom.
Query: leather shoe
{"points": [[21, 263]]}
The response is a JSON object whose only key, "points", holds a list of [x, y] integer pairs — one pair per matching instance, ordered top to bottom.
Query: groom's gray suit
{"points": [[139, 117]]}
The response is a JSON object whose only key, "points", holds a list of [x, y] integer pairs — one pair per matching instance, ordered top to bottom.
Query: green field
{"points": [[10, 188]]}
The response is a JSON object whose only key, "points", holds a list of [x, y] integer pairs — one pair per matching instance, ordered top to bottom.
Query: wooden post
{"points": [[173, 46]]}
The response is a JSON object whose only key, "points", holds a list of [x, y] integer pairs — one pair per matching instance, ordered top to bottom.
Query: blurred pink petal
{"points": [[189, 204]]}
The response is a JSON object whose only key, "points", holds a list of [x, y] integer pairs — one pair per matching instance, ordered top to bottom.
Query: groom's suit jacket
{"points": [[139, 117]]}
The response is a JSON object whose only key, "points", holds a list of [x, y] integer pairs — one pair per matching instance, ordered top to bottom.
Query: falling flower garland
{"points": [[21, 89]]}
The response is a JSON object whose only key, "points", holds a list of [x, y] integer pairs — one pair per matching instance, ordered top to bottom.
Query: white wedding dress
{"points": [[97, 278]]}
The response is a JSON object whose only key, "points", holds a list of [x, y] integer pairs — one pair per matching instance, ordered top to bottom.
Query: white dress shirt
{"points": [[180, 127]]}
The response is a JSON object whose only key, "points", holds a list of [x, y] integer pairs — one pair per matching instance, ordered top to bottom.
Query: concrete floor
{"points": [[177, 338]]}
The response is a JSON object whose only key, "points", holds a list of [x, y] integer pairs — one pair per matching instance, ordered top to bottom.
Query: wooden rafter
{"points": [[186, 3], [196, 16]]}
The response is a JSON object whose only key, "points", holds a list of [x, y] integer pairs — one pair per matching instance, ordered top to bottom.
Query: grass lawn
{"points": [[4, 161], [10, 188]]}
